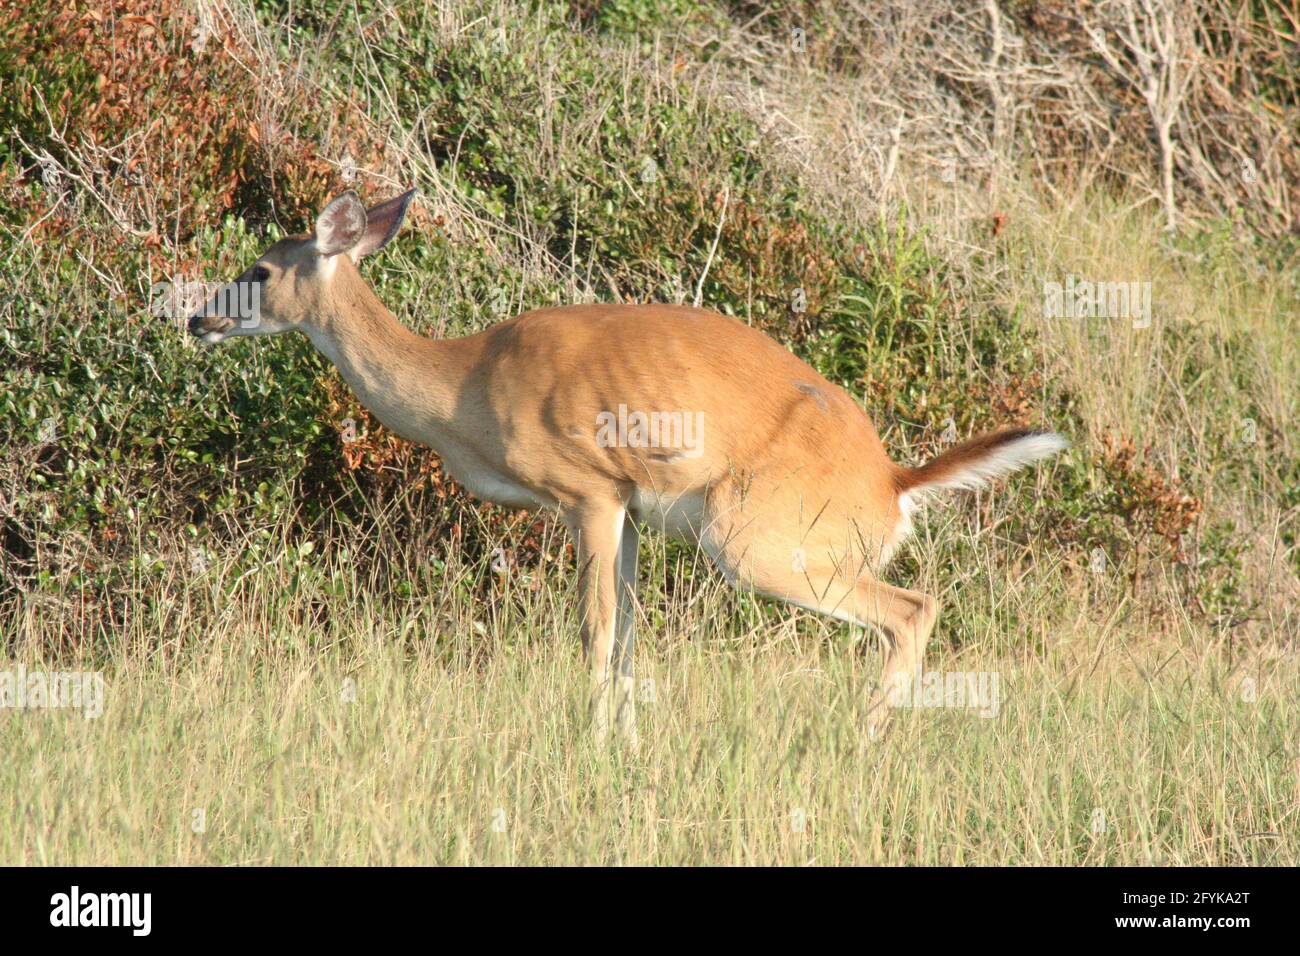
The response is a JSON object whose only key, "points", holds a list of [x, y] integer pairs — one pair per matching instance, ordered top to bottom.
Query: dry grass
{"points": [[407, 735]]}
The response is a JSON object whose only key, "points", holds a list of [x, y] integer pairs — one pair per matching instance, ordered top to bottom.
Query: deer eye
{"points": [[261, 273]]}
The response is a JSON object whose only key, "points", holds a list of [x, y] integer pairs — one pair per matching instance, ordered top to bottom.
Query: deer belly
{"points": [[491, 485], [678, 516]]}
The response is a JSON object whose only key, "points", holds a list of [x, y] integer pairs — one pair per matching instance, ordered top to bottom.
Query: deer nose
{"points": [[202, 326]]}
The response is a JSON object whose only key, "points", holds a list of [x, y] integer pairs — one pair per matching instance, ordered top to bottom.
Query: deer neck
{"points": [[408, 382]]}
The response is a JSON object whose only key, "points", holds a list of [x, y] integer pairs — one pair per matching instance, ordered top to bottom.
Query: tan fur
{"points": [[791, 493]]}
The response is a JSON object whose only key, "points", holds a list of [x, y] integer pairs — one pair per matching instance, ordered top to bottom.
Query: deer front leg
{"points": [[597, 533], [625, 636]]}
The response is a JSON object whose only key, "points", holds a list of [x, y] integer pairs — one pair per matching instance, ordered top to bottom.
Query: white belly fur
{"points": [[678, 516]]}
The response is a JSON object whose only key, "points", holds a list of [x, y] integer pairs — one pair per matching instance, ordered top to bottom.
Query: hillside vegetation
{"points": [[304, 625]]}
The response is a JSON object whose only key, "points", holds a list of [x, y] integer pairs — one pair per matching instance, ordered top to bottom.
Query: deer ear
{"points": [[382, 223], [340, 225]]}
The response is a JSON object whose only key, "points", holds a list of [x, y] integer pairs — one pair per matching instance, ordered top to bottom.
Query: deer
{"points": [[619, 417]]}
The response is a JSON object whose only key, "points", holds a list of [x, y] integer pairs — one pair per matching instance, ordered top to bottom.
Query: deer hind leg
{"points": [[597, 531], [833, 582], [908, 619]]}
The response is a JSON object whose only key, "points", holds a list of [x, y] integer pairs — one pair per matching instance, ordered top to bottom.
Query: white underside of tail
{"points": [[999, 461]]}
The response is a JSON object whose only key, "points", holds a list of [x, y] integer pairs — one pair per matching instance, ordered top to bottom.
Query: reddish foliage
{"points": [[1148, 501]]}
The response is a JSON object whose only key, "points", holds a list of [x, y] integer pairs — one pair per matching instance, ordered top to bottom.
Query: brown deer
{"points": [[617, 416]]}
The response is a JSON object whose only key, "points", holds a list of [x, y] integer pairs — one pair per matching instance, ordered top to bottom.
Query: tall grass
{"points": [[450, 731]]}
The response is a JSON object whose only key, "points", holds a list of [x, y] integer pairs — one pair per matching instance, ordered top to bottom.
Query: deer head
{"points": [[289, 287]]}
